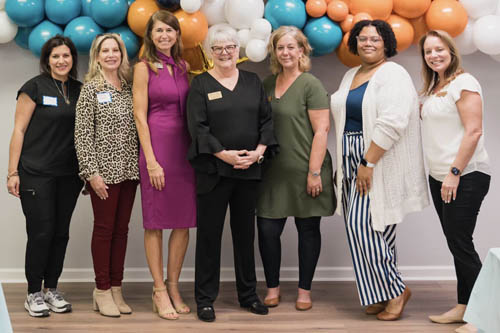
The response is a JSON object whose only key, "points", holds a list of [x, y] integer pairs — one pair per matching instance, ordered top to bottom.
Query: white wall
{"points": [[422, 249]]}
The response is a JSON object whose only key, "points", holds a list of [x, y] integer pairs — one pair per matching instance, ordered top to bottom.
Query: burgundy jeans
{"points": [[109, 238]]}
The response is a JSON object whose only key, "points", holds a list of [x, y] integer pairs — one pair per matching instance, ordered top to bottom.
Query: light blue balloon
{"points": [[86, 7], [62, 11], [285, 12], [25, 13], [109, 13], [82, 31], [42, 33], [324, 35], [22, 37], [129, 39]]}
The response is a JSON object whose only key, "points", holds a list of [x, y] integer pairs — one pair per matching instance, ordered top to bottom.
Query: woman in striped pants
{"points": [[380, 175]]}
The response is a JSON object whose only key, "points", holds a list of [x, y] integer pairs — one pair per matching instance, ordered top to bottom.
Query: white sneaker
{"points": [[56, 302], [35, 305]]}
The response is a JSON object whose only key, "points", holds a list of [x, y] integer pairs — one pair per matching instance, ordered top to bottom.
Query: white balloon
{"points": [[191, 6], [479, 8], [214, 11], [241, 13], [8, 29], [261, 29], [486, 34], [243, 37], [465, 40], [206, 46], [256, 50], [495, 57]]}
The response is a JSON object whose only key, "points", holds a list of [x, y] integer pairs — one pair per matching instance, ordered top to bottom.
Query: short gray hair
{"points": [[223, 33]]}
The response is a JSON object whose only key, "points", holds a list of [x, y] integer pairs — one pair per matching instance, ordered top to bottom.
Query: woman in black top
{"points": [[230, 122], [43, 170]]}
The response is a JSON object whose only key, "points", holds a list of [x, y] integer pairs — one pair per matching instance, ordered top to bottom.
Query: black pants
{"points": [[240, 195], [48, 203], [458, 219], [270, 248]]}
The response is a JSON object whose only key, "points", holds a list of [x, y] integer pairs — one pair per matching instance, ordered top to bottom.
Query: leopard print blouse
{"points": [[105, 133]]}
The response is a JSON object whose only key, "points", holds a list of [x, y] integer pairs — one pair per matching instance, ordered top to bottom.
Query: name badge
{"points": [[159, 65], [214, 95], [104, 97], [49, 100]]}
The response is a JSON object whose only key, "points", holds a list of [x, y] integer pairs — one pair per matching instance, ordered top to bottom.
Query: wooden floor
{"points": [[336, 309]]}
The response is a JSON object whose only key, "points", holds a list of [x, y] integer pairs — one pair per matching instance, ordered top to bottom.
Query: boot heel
{"points": [[96, 307]]}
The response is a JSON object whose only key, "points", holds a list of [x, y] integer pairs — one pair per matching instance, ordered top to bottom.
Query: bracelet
{"points": [[366, 163], [154, 168], [315, 173], [12, 174]]}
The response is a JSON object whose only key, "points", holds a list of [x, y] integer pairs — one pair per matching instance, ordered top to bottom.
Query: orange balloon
{"points": [[316, 8], [411, 8], [378, 9], [337, 10], [138, 15], [447, 15], [361, 17], [347, 24], [194, 27], [419, 27], [403, 30], [345, 56]]}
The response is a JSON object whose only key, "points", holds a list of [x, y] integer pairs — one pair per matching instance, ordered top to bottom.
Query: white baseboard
{"points": [[141, 274]]}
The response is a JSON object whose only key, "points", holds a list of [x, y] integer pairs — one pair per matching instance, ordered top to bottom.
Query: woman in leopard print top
{"points": [[107, 149]]}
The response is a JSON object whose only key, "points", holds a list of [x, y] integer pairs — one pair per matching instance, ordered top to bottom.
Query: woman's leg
{"points": [[177, 246], [309, 250]]}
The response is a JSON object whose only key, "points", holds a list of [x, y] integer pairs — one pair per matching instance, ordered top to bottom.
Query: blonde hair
{"points": [[149, 54], [304, 60], [95, 71], [430, 77]]}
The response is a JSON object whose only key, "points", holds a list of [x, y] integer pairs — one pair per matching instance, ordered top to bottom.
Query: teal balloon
{"points": [[86, 7], [62, 11], [285, 12], [25, 13], [109, 13], [82, 31], [42, 33], [323, 34], [22, 37], [129, 39]]}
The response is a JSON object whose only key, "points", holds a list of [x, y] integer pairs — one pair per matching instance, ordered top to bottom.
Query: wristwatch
{"points": [[260, 159], [366, 163], [456, 171], [315, 173]]}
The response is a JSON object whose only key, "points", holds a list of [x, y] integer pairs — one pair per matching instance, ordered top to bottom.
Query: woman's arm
{"points": [[140, 94], [24, 111], [320, 122]]}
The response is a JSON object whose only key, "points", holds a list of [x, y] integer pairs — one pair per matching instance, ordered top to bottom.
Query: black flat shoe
{"points": [[257, 307], [206, 313]]}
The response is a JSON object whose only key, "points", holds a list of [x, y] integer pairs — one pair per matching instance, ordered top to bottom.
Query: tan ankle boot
{"points": [[119, 301], [103, 302]]}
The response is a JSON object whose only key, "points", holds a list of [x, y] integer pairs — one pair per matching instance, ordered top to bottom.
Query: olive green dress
{"points": [[283, 190]]}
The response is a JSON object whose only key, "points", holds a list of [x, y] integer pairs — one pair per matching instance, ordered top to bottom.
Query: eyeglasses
{"points": [[372, 39], [228, 48]]}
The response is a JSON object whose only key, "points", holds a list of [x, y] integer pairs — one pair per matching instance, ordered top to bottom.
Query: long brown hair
{"points": [[149, 54], [431, 78]]}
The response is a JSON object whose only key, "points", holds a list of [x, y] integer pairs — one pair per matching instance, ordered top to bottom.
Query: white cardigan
{"points": [[391, 119]]}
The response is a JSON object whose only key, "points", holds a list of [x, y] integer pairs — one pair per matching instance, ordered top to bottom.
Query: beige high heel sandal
{"points": [[180, 308], [169, 312]]}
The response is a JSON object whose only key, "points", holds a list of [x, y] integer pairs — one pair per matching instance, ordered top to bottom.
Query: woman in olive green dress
{"points": [[298, 181]]}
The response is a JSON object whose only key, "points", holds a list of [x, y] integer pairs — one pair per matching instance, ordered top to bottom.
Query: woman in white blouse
{"points": [[452, 117], [380, 176]]}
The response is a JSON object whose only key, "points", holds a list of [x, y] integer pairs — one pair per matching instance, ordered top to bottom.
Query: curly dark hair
{"points": [[383, 29], [51, 44]]}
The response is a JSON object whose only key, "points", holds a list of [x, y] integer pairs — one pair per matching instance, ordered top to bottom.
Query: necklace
{"points": [[66, 97]]}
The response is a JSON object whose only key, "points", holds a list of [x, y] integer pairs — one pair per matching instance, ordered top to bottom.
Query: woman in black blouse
{"points": [[230, 122], [43, 170]]}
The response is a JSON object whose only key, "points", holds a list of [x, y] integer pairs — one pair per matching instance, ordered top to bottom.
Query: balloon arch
{"points": [[475, 24]]}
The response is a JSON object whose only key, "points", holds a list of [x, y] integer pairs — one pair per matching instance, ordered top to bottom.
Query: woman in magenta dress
{"points": [[167, 180]]}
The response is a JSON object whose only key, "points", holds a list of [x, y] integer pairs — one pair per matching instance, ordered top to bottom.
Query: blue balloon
{"points": [[169, 4], [86, 7], [62, 11], [285, 12], [25, 13], [109, 13], [82, 31], [42, 33], [324, 35], [22, 36], [129, 39]]}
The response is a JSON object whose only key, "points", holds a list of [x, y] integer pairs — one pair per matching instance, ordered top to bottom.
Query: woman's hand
{"points": [[233, 157], [248, 159], [156, 177], [364, 180], [13, 185], [314, 185], [99, 187], [449, 187]]}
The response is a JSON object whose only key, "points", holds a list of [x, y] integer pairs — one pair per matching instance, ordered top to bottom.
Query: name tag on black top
{"points": [[214, 95], [104, 97], [49, 101]]}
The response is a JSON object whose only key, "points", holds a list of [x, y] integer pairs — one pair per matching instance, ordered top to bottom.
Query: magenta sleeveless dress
{"points": [[175, 206]]}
